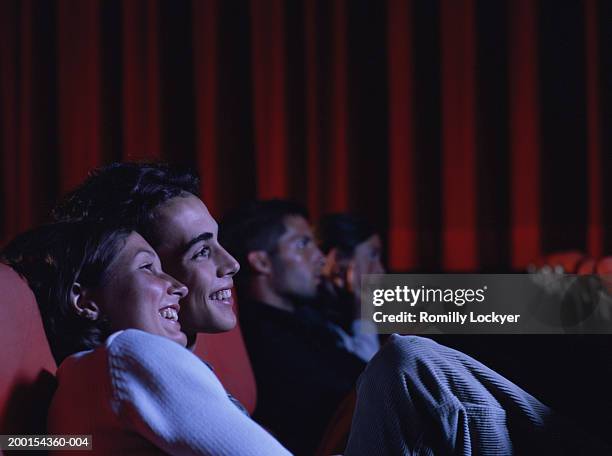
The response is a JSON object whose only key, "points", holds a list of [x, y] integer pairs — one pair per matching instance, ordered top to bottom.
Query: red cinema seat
{"points": [[604, 265], [586, 266], [604, 270], [227, 354], [28, 368], [336, 435]]}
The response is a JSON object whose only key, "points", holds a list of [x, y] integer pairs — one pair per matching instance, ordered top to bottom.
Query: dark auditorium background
{"points": [[473, 132]]}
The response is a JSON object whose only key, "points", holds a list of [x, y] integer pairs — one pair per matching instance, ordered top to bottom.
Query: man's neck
{"points": [[266, 295], [278, 302]]}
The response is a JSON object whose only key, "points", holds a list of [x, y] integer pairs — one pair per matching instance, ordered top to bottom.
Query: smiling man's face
{"points": [[189, 250]]}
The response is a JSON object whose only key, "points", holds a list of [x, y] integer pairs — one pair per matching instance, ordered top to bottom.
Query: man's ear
{"points": [[259, 261], [82, 303]]}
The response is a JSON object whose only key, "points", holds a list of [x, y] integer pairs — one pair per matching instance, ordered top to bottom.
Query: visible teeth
{"points": [[221, 295], [169, 313]]}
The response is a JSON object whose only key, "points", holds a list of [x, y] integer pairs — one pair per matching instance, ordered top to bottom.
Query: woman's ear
{"points": [[259, 261], [82, 303]]}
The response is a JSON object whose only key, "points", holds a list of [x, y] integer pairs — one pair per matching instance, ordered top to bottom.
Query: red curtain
{"points": [[473, 133]]}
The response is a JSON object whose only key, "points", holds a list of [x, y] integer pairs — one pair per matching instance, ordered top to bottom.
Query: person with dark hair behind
{"points": [[352, 248], [301, 369]]}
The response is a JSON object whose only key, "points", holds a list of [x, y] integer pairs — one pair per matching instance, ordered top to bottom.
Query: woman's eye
{"points": [[202, 253], [148, 266]]}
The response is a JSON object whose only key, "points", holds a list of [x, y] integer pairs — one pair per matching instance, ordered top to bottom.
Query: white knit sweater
{"points": [[144, 394]]}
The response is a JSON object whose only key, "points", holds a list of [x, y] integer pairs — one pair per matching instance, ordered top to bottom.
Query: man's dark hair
{"points": [[127, 192], [257, 225], [343, 231], [52, 258]]}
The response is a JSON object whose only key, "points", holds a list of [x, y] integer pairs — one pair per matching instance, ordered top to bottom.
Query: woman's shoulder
{"points": [[135, 338], [134, 345], [133, 352]]}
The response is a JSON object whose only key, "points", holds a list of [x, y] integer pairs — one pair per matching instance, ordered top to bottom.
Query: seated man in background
{"points": [[352, 248], [302, 370]]}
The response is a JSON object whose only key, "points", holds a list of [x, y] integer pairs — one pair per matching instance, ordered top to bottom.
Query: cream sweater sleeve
{"points": [[167, 395]]}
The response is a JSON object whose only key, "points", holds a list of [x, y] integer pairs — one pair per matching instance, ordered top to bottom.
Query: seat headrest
{"points": [[28, 368]]}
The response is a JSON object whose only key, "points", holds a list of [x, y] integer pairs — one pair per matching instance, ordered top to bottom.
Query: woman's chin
{"points": [[172, 330], [178, 337]]}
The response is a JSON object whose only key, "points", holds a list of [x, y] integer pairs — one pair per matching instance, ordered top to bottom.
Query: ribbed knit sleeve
{"points": [[167, 395], [417, 397]]}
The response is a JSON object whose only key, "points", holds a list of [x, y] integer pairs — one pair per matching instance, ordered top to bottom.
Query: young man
{"points": [[352, 247], [302, 369]]}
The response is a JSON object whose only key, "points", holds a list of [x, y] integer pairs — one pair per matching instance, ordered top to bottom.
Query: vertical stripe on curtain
{"points": [[457, 24], [604, 36], [205, 44], [141, 80], [79, 86], [311, 95], [269, 97], [524, 133], [338, 164], [564, 176], [12, 199], [595, 228], [402, 248]]}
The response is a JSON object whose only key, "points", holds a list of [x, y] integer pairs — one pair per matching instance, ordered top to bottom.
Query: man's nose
{"points": [[229, 266]]}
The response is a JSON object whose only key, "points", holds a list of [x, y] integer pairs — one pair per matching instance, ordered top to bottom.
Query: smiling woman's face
{"points": [[138, 294]]}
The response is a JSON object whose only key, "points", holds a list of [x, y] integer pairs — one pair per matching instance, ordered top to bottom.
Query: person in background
{"points": [[352, 248], [301, 368]]}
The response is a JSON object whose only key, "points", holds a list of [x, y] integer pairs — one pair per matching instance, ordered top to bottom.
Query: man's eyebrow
{"points": [[195, 240]]}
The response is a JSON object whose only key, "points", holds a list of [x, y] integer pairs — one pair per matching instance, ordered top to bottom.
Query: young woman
{"points": [[129, 380]]}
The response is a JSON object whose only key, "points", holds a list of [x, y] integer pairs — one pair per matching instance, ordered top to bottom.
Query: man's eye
{"points": [[303, 242], [204, 252], [148, 266]]}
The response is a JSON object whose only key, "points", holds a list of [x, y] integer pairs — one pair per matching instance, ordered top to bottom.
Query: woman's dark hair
{"points": [[130, 192], [343, 231], [52, 258]]}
